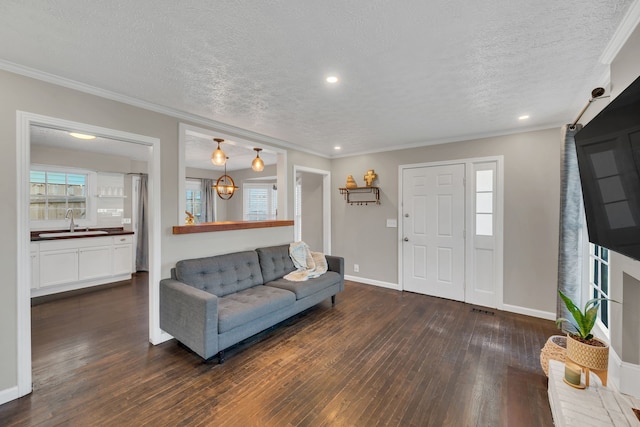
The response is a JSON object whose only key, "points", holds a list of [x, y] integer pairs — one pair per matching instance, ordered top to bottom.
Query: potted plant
{"points": [[583, 348]]}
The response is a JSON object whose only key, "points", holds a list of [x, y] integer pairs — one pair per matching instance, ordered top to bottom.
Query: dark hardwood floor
{"points": [[379, 357]]}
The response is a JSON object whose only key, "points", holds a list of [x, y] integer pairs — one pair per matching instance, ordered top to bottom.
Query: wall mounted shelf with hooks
{"points": [[349, 192]]}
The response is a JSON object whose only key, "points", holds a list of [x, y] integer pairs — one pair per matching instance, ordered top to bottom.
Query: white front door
{"points": [[433, 214]]}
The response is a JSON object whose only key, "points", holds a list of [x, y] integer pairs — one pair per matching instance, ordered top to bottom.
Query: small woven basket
{"points": [[554, 349]]}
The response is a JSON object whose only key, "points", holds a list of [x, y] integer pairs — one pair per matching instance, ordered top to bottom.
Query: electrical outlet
{"points": [[356, 268]]}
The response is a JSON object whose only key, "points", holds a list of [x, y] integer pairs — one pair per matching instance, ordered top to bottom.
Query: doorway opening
{"points": [[25, 122], [312, 207]]}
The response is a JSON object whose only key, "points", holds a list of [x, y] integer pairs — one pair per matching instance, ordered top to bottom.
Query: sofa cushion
{"points": [[275, 262], [222, 274], [308, 287], [250, 304]]}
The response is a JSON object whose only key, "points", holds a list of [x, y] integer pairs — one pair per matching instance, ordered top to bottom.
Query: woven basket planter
{"points": [[554, 349], [588, 356]]}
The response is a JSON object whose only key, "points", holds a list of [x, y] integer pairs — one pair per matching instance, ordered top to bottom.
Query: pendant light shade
{"points": [[218, 157], [257, 164]]}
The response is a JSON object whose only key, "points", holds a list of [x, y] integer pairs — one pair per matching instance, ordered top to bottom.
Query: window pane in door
{"points": [[484, 180], [484, 202], [484, 224]]}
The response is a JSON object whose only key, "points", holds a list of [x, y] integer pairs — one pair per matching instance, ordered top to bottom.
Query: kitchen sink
{"points": [[73, 233]]}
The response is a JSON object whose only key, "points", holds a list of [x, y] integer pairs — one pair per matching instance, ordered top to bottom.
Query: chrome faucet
{"points": [[72, 225]]}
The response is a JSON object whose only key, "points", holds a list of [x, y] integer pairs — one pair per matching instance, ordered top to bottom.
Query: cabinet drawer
{"points": [[122, 239]]}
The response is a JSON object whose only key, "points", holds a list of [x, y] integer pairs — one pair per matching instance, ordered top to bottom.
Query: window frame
{"points": [[190, 185], [90, 198], [272, 200], [596, 263]]}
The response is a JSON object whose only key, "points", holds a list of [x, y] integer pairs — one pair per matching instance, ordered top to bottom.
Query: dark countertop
{"points": [[115, 231]]}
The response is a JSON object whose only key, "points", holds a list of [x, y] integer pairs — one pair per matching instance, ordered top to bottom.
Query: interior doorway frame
{"points": [[24, 121], [326, 201]]}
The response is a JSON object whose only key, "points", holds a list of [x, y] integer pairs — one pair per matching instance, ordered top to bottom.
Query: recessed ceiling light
{"points": [[332, 79], [525, 117], [81, 135], [337, 147]]}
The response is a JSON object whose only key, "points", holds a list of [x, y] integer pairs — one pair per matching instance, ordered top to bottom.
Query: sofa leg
{"points": [[333, 300], [221, 357]]}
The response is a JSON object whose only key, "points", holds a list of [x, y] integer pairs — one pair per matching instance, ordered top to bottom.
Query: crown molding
{"points": [[622, 33], [180, 115], [462, 138]]}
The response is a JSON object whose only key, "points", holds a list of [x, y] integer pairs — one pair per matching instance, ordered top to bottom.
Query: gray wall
{"points": [[26, 94], [312, 210], [531, 212]]}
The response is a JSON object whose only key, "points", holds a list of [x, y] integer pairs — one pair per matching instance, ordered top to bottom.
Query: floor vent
{"points": [[478, 310]]}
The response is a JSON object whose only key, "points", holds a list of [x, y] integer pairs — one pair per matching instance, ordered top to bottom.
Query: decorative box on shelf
{"points": [[351, 195]]}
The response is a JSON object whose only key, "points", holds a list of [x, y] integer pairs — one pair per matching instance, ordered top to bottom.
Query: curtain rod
{"points": [[595, 94]]}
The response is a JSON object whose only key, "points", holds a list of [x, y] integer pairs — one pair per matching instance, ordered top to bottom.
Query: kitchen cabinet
{"points": [[122, 255], [94, 262], [69, 264], [35, 266], [58, 266]]}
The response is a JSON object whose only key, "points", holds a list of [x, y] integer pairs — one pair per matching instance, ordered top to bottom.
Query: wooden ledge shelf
{"points": [[349, 192], [209, 227]]}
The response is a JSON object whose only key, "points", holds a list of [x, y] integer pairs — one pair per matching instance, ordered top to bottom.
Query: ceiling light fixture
{"points": [[332, 79], [525, 117], [81, 135], [337, 148], [218, 157], [257, 164], [225, 187]]}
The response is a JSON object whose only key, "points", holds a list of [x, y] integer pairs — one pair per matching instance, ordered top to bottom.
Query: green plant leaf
{"points": [[575, 312], [562, 320]]}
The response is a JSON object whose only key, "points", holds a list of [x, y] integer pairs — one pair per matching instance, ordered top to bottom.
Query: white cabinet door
{"points": [[122, 255], [94, 262], [35, 266], [58, 266]]}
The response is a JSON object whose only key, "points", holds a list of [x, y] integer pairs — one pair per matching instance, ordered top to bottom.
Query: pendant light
{"points": [[218, 157], [257, 164], [225, 187]]}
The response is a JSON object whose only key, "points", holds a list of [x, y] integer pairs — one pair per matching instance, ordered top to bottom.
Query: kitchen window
{"points": [[53, 191]]}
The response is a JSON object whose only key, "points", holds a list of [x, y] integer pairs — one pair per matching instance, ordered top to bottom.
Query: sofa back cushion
{"points": [[275, 262], [222, 274]]}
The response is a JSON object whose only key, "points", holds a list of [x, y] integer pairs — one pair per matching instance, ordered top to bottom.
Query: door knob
{"points": [[406, 239]]}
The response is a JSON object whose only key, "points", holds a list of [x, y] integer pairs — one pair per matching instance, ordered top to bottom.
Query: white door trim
{"points": [[24, 120], [326, 202], [499, 228]]}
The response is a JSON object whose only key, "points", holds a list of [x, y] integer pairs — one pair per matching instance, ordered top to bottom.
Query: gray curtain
{"points": [[208, 195], [142, 248], [570, 251]]}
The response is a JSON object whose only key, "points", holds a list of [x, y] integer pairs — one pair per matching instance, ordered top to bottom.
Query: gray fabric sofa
{"points": [[212, 303]]}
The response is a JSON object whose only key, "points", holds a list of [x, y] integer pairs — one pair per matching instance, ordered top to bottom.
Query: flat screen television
{"points": [[608, 150]]}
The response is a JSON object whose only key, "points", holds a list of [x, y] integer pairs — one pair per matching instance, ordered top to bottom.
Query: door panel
{"points": [[433, 223]]}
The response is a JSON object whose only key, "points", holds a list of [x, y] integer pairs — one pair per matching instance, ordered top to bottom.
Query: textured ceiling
{"points": [[411, 72]]}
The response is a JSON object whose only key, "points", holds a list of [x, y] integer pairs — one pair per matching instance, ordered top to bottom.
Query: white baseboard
{"points": [[373, 282], [528, 311], [625, 376], [9, 394]]}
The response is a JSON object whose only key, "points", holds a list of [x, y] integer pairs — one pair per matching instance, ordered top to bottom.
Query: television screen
{"points": [[608, 150]]}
